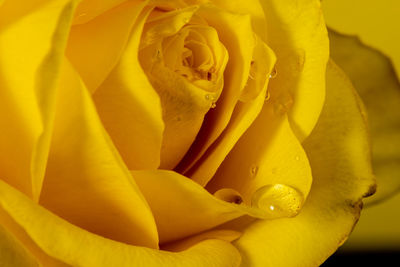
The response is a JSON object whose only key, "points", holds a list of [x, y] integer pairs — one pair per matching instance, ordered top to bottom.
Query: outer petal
{"points": [[89, 9], [375, 23], [297, 34], [95, 47], [30, 53], [375, 80], [130, 108], [339, 155], [86, 181], [378, 228], [50, 237]]}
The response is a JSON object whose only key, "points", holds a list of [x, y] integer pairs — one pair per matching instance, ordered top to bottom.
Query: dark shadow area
{"points": [[363, 258]]}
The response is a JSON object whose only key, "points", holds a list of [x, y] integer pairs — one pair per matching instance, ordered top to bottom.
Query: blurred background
{"points": [[365, 43]]}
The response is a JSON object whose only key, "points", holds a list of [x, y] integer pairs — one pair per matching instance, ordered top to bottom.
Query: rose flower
{"points": [[175, 133]]}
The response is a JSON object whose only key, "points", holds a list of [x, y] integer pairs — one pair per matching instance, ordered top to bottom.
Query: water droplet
{"points": [[82, 15], [186, 20], [252, 72], [273, 73], [267, 96], [208, 97], [283, 103], [213, 105], [297, 158], [253, 170], [229, 195], [278, 199]]}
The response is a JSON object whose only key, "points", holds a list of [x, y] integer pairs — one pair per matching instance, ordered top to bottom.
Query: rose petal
{"points": [[253, 7], [89, 9], [355, 18], [296, 32], [236, 34], [94, 48], [30, 52], [375, 80], [184, 102], [130, 108], [243, 116], [338, 150], [268, 153], [86, 181], [182, 208], [226, 235], [55, 238], [12, 253]]}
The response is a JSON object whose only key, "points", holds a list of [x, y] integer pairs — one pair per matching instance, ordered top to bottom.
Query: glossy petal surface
{"points": [[296, 32], [31, 47], [375, 81], [338, 150], [86, 181], [54, 238]]}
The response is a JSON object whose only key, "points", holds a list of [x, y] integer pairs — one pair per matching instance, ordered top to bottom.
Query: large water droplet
{"points": [[273, 73], [267, 96], [229, 195], [278, 199]]}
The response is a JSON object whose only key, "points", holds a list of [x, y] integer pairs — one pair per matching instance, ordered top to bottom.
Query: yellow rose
{"points": [[175, 133]]}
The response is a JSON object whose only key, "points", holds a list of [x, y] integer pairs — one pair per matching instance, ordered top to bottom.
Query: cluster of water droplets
{"points": [[211, 98]]}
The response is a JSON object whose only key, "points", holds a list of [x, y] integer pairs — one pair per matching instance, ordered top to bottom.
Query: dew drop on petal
{"points": [[273, 73], [267, 96], [213, 105], [229, 195], [278, 199]]}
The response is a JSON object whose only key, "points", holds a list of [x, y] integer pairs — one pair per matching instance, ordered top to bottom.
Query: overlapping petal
{"points": [[89, 9], [235, 32], [296, 32], [94, 48], [31, 49], [252, 100], [130, 108], [338, 150], [273, 156], [86, 181], [194, 210], [58, 243], [13, 253]]}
